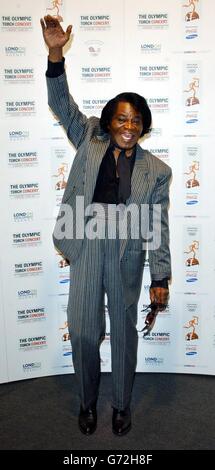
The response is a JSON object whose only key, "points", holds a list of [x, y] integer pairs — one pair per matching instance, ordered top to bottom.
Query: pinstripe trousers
{"points": [[97, 271]]}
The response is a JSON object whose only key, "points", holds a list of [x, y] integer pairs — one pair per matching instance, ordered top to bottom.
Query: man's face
{"points": [[126, 125]]}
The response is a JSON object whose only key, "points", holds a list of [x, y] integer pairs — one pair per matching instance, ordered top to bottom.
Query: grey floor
{"points": [[169, 412]]}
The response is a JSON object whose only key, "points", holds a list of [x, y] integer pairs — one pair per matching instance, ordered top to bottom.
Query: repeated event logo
{"points": [[54, 8], [192, 14], [191, 18], [153, 20], [95, 22], [16, 23], [94, 47], [150, 48], [16, 51], [154, 72], [96, 74], [18, 75], [192, 91], [159, 104], [93, 105], [23, 108], [156, 132], [18, 135], [161, 153], [22, 159], [60, 166], [192, 174], [60, 177], [192, 181], [24, 190], [24, 216], [26, 239], [192, 239], [192, 260], [28, 268], [63, 270], [26, 294], [29, 315], [191, 326], [191, 329], [63, 332], [158, 337], [33, 343], [154, 361], [31, 366]]}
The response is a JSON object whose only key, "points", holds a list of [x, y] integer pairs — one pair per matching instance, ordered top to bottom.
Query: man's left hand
{"points": [[159, 295]]}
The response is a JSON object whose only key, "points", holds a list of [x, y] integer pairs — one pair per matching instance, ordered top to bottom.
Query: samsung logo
{"points": [[192, 36], [191, 121], [190, 203], [192, 279], [64, 281], [69, 353], [191, 353]]}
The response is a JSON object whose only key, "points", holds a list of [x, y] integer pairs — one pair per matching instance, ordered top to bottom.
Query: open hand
{"points": [[53, 33]]}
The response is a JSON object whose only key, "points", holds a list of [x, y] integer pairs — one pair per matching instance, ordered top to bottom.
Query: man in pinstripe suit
{"points": [[110, 168]]}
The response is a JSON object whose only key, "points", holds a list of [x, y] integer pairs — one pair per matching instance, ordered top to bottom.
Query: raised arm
{"points": [[54, 37], [59, 99]]}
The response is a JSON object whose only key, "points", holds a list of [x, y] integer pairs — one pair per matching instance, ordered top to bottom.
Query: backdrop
{"points": [[162, 50]]}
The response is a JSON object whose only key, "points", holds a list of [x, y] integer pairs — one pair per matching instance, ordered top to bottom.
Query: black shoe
{"points": [[87, 420], [121, 421]]}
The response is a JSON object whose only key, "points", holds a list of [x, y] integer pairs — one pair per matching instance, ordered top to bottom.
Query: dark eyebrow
{"points": [[125, 115]]}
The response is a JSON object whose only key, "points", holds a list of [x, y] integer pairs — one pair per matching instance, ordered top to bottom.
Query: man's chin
{"points": [[125, 145]]}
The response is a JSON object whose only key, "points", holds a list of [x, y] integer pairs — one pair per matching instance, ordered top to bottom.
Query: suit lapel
{"points": [[95, 154], [139, 178], [139, 187]]}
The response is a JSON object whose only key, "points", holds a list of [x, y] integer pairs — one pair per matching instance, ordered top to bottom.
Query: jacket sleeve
{"points": [[64, 107], [159, 257]]}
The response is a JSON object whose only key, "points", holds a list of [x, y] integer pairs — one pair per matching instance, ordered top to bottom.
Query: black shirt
{"points": [[107, 184]]}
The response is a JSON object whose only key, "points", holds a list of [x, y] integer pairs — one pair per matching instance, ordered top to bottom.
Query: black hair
{"points": [[137, 101]]}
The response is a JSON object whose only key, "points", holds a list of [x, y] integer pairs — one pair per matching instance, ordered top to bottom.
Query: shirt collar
{"points": [[112, 146]]}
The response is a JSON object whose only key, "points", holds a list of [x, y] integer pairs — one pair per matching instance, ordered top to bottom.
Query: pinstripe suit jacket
{"points": [[149, 185]]}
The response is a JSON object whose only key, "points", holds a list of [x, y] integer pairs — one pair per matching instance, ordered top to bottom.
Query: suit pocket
{"points": [[132, 265], [132, 269]]}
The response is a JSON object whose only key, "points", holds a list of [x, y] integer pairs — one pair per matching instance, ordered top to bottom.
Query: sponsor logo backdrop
{"points": [[162, 50]]}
